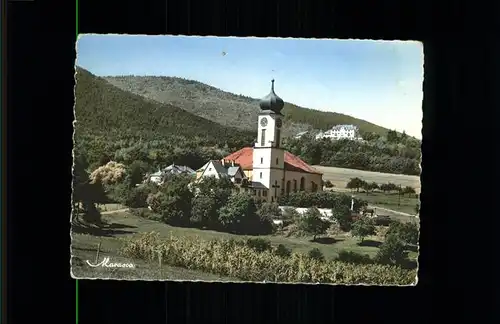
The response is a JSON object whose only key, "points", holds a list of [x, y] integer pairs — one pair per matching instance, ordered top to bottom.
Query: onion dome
{"points": [[272, 101]]}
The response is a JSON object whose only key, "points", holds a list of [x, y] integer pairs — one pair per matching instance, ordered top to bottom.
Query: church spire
{"points": [[272, 101]]}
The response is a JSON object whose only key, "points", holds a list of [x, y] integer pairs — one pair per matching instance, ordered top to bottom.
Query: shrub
{"points": [[322, 199], [269, 210], [342, 215], [290, 216], [383, 221], [293, 230], [258, 244], [283, 251], [316, 254], [353, 257], [239, 261]]}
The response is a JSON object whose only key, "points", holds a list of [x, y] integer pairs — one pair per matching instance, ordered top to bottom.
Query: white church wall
{"points": [[308, 177]]}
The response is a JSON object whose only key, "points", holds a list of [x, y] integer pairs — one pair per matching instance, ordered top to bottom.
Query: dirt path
{"points": [[114, 211], [391, 211]]}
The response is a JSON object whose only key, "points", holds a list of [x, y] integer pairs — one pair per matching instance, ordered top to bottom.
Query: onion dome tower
{"points": [[272, 102]]}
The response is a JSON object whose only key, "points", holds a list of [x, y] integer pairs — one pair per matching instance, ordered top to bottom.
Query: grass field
{"points": [[340, 177], [391, 201], [123, 225]]}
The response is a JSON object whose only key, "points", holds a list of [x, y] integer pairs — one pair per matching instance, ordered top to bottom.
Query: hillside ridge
{"points": [[102, 108], [225, 108]]}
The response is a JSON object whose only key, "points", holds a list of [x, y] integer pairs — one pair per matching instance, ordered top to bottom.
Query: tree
{"points": [[392, 136], [136, 172], [108, 174], [355, 183], [370, 186], [374, 186], [408, 190], [85, 192], [211, 194], [137, 196], [173, 201], [204, 211], [239, 215], [343, 216], [311, 223], [362, 228], [407, 232], [391, 251]]}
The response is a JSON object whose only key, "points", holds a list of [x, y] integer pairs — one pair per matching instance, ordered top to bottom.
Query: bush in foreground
{"points": [[353, 257], [222, 258]]}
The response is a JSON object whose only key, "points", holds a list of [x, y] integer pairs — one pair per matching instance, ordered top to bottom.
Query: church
{"points": [[266, 169]]}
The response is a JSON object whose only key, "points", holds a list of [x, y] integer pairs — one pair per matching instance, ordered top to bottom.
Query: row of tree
{"points": [[377, 155], [357, 184]]}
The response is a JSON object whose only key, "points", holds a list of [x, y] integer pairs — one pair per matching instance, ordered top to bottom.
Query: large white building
{"points": [[341, 132], [270, 171]]}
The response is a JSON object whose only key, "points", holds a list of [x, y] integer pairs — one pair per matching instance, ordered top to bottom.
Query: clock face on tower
{"points": [[263, 122], [279, 123]]}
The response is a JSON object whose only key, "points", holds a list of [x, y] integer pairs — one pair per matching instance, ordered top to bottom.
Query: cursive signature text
{"points": [[107, 264]]}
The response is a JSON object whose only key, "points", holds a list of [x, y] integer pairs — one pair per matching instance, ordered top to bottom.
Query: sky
{"points": [[378, 81]]}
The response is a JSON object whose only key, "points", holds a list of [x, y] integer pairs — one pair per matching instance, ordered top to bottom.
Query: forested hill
{"points": [[230, 109], [105, 110]]}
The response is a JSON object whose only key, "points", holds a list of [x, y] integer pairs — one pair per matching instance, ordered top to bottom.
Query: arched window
{"points": [[302, 184], [288, 185]]}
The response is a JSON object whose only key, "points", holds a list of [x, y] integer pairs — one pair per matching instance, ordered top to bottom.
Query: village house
{"points": [[270, 171], [159, 176]]}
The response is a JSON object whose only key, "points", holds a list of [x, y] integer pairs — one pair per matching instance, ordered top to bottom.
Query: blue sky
{"points": [[378, 81]]}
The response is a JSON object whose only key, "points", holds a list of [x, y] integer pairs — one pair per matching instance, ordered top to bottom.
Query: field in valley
{"points": [[340, 177], [123, 225]]}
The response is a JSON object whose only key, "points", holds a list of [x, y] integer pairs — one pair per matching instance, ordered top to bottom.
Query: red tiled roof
{"points": [[244, 158]]}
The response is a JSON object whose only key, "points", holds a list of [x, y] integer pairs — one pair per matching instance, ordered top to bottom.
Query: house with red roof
{"points": [[271, 171]]}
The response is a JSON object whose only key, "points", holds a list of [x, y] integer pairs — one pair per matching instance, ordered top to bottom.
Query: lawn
{"points": [[341, 176], [391, 201], [123, 225]]}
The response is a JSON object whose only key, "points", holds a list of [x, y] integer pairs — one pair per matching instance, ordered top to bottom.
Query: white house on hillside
{"points": [[341, 132], [159, 176]]}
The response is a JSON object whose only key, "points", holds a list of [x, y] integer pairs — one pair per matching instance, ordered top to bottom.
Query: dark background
{"points": [[457, 269]]}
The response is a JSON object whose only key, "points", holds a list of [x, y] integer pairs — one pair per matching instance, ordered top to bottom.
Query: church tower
{"points": [[268, 156]]}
